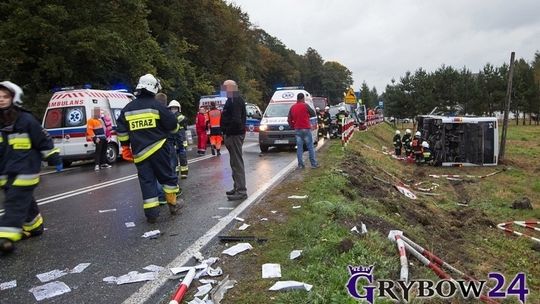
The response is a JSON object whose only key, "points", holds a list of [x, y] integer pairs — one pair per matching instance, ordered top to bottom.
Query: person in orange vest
{"points": [[201, 124], [215, 128], [95, 132]]}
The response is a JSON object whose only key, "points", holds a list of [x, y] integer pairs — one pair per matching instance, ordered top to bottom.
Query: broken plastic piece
{"points": [[408, 193], [298, 197], [297, 207], [226, 208], [107, 210], [274, 211], [216, 216], [239, 219], [264, 219], [130, 224], [243, 227], [355, 229], [364, 229], [151, 234], [238, 248], [295, 254], [198, 256], [79, 268], [153, 268], [177, 270], [270, 271], [213, 272], [51, 275], [135, 276], [208, 281], [8, 285], [289, 285], [222, 288], [49, 290], [203, 290]]}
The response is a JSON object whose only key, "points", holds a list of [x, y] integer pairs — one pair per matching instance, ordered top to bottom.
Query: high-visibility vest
{"points": [[215, 118]]}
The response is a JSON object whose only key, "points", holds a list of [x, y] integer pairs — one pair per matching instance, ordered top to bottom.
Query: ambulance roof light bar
{"points": [[290, 88]]}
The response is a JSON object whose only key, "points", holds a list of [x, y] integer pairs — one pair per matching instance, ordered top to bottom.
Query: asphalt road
{"points": [[77, 232]]}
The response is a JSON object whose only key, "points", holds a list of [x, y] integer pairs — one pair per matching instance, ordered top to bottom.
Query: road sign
{"points": [[350, 97], [381, 104]]}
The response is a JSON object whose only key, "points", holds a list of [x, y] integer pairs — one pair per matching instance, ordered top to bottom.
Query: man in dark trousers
{"points": [[298, 119], [233, 121], [397, 143]]}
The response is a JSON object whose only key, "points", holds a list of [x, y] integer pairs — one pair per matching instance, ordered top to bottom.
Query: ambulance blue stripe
{"points": [[66, 131]]}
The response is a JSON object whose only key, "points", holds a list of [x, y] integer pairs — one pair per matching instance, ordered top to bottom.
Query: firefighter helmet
{"points": [[149, 83], [15, 90]]}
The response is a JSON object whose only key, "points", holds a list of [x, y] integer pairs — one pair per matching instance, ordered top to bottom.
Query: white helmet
{"points": [[149, 83], [15, 90], [174, 103], [317, 108], [327, 108], [342, 108], [408, 131], [398, 132], [418, 134], [425, 144]]}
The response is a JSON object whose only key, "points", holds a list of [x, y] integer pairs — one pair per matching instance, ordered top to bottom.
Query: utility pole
{"points": [[507, 109]]}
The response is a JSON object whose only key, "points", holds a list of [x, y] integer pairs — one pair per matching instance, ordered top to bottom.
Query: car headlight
{"points": [[263, 127]]}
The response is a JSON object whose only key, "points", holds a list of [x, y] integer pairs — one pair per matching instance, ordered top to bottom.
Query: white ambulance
{"points": [[66, 119]]}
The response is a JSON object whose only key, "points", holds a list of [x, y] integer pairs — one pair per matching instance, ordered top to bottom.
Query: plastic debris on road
{"points": [[298, 197], [226, 208], [107, 210], [216, 216], [239, 219], [130, 224], [243, 227], [151, 234], [236, 249], [295, 254], [198, 256], [79, 268], [153, 268], [270, 270], [51, 275], [131, 277], [208, 281], [8, 285], [290, 285], [222, 288], [49, 290], [203, 290]]}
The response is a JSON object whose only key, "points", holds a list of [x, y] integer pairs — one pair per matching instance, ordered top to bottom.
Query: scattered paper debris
{"points": [[408, 193], [298, 196], [296, 207], [226, 208], [107, 210], [274, 211], [216, 216], [239, 219], [264, 219], [130, 224], [243, 227], [355, 229], [364, 229], [151, 234], [236, 249], [295, 254], [198, 256], [210, 261], [79, 268], [153, 268], [177, 270], [270, 270], [213, 272], [51, 275], [135, 276], [110, 280], [208, 281], [8, 285], [289, 285], [222, 288], [49, 290], [203, 290], [197, 301]]}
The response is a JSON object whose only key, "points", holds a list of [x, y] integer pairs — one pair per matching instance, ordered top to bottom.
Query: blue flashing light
{"points": [[120, 86], [290, 88]]}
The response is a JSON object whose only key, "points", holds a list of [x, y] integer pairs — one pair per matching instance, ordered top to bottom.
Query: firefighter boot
{"points": [[213, 150], [218, 152], [184, 170], [173, 204], [31, 233], [6, 246]]}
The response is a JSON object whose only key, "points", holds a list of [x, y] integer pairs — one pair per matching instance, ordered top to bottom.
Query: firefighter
{"points": [[341, 116], [327, 119], [214, 121], [142, 128], [406, 142], [182, 143], [397, 143], [23, 144], [416, 145], [426, 152]]}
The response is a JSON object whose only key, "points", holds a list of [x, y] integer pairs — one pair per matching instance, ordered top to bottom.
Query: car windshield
{"points": [[278, 110], [333, 111]]}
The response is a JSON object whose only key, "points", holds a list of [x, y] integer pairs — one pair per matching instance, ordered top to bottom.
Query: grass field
{"points": [[349, 190]]}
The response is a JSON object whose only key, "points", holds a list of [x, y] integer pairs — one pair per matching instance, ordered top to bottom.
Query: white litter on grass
{"points": [[298, 196], [296, 207], [226, 208], [107, 210], [274, 211], [239, 219], [264, 219], [130, 224], [243, 227], [355, 229], [364, 229], [153, 233], [236, 249], [295, 254], [210, 261], [79, 268], [153, 268], [270, 270], [213, 272], [51, 275], [134, 277], [208, 281], [8, 285], [290, 285], [222, 288], [49, 290], [203, 290], [197, 301]]}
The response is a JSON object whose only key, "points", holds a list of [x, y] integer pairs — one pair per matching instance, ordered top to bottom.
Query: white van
{"points": [[66, 116], [274, 129]]}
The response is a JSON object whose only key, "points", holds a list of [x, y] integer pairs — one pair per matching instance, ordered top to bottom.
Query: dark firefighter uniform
{"points": [[341, 116], [145, 125], [407, 140], [182, 144], [397, 144], [23, 145]]}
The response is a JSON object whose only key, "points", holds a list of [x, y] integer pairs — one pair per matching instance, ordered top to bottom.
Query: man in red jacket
{"points": [[298, 119]]}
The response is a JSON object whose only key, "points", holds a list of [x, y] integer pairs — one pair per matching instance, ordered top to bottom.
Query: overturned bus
{"points": [[461, 141]]}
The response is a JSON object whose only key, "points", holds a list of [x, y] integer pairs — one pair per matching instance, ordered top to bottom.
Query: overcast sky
{"points": [[381, 40]]}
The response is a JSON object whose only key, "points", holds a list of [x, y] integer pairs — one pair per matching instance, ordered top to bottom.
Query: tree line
{"points": [[191, 46], [481, 93]]}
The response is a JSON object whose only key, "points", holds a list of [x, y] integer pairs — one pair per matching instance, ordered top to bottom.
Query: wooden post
{"points": [[507, 109]]}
